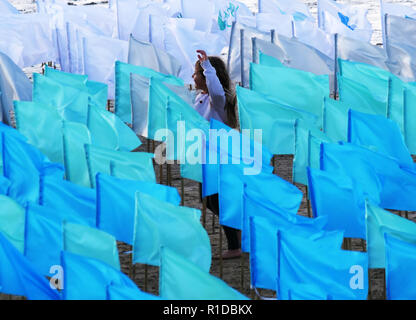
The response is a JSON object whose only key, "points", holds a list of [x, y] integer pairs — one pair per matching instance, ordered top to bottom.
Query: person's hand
{"points": [[202, 55]]}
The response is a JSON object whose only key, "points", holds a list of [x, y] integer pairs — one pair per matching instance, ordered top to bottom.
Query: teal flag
{"points": [[269, 61], [298, 89], [123, 105], [410, 114], [335, 119], [277, 121], [127, 165], [380, 222], [159, 223], [12, 224], [90, 242], [400, 258], [342, 274], [180, 279]]}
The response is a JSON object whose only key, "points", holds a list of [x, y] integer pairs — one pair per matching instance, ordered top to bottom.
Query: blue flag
{"points": [[116, 203], [12, 222], [18, 277], [118, 292]]}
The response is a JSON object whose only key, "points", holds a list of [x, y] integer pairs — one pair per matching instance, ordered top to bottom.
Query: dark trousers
{"points": [[233, 236]]}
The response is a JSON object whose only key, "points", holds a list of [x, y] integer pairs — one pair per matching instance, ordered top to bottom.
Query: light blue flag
{"points": [[7, 8], [269, 61], [14, 85], [295, 88], [98, 93], [123, 105], [410, 113], [335, 120], [276, 121], [41, 124], [10, 131], [380, 135], [226, 145], [307, 150], [22, 165], [127, 165], [382, 179], [4, 185], [280, 194], [337, 198], [72, 202], [116, 203], [13, 221], [380, 222], [159, 223], [43, 238], [91, 243], [264, 258], [400, 258], [343, 274], [18, 277], [88, 278], [180, 279], [117, 292]]}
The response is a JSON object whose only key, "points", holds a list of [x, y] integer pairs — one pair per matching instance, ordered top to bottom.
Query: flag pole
{"points": [[272, 35], [254, 50], [242, 58], [335, 66], [182, 192], [308, 202], [220, 247]]}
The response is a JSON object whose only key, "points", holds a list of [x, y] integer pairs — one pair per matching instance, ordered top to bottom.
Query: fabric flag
{"points": [[7, 8], [297, 9], [192, 10], [126, 14], [348, 20], [279, 22], [147, 55], [237, 56], [269, 61], [99, 62], [14, 85], [126, 88], [296, 88], [410, 113], [335, 119], [277, 121], [41, 124], [366, 130], [75, 136], [224, 143], [307, 150], [22, 165], [130, 165], [384, 181], [4, 185], [283, 195], [339, 200], [72, 203], [116, 203], [255, 205], [381, 222], [159, 223], [12, 224], [43, 237], [400, 257], [264, 258], [343, 273], [18, 277], [88, 278], [180, 279], [117, 292], [307, 292]]}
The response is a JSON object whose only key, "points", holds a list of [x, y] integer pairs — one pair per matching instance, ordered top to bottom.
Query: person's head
{"points": [[222, 74]]}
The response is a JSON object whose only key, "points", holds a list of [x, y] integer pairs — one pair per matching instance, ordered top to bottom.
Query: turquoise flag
{"points": [[269, 61], [299, 89], [98, 93], [364, 97], [123, 105], [410, 114], [335, 119], [277, 121], [41, 124], [9, 131], [379, 134], [75, 136], [307, 150], [127, 165], [338, 199], [71, 202], [116, 203], [380, 222], [159, 223], [12, 224], [90, 242], [264, 248], [400, 258], [342, 274], [18, 277], [88, 278], [180, 279], [117, 292]]}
